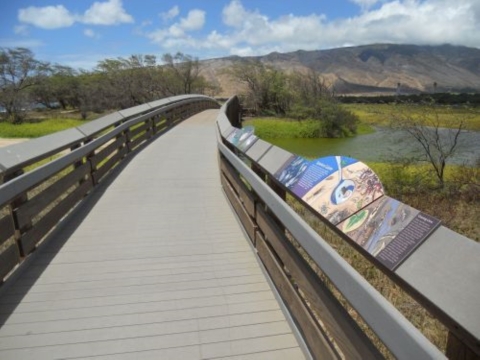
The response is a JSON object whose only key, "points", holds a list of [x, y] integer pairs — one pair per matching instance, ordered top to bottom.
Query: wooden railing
{"points": [[45, 178], [442, 274]]}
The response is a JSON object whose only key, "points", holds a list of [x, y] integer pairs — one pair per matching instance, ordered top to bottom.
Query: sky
{"points": [[79, 33]]}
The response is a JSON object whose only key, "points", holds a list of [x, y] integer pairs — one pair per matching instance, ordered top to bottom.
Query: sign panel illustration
{"points": [[243, 138], [334, 186], [389, 230]]}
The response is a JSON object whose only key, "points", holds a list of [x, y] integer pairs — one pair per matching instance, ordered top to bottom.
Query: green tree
{"points": [[19, 70], [184, 71], [120, 83], [59, 87], [309, 87], [267, 89], [94, 93], [298, 95]]}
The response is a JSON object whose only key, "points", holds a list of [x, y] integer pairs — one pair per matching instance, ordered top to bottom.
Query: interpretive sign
{"points": [[348, 194]]}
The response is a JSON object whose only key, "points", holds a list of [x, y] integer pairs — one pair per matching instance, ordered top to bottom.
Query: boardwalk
{"points": [[153, 265]]}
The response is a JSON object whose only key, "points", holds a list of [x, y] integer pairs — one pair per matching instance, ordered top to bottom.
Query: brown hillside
{"points": [[372, 68]]}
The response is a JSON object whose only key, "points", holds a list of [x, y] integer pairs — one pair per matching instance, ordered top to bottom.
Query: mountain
{"points": [[377, 68]]}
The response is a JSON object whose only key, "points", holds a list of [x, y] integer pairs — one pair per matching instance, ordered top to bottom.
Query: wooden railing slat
{"points": [[139, 130], [134, 143], [106, 151], [110, 163], [32, 207], [239, 209], [7, 229], [29, 240], [9, 258], [317, 341]]}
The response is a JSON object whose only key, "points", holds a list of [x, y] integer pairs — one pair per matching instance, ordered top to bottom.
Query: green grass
{"points": [[369, 114], [381, 114], [275, 128], [284, 128], [36, 129], [364, 129]]}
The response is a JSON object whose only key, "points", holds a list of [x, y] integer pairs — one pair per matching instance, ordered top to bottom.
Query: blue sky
{"points": [[79, 33]]}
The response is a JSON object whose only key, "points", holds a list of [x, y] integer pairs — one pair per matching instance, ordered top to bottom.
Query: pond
{"points": [[382, 145]]}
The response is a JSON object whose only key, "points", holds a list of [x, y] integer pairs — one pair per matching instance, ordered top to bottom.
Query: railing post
{"points": [[169, 116], [154, 126], [128, 140], [88, 159], [79, 163], [257, 170], [17, 202], [9, 209]]}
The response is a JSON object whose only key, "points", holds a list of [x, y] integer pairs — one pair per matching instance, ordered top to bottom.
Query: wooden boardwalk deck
{"points": [[153, 265]]}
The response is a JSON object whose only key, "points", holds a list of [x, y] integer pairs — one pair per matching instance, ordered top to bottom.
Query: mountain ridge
{"points": [[375, 68]]}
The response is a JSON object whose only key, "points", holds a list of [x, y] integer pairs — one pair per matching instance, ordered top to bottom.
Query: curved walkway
{"points": [[153, 265]]}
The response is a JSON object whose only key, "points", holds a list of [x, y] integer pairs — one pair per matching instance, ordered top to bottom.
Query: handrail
{"points": [[20, 155], [33, 202], [396, 332]]}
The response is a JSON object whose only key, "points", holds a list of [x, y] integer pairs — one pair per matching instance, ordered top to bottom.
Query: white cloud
{"points": [[365, 4], [110, 12], [170, 14], [234, 14], [48, 17], [194, 20], [392, 21], [419, 22], [178, 32], [250, 32]]}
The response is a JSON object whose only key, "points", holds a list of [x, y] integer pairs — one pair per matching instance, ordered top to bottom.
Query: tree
{"points": [[19, 70], [184, 72], [139, 79], [120, 82], [310, 87], [59, 88], [267, 88], [94, 93], [298, 95], [424, 126]]}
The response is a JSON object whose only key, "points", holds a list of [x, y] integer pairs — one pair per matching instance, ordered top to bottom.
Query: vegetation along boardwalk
{"points": [[155, 266]]}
